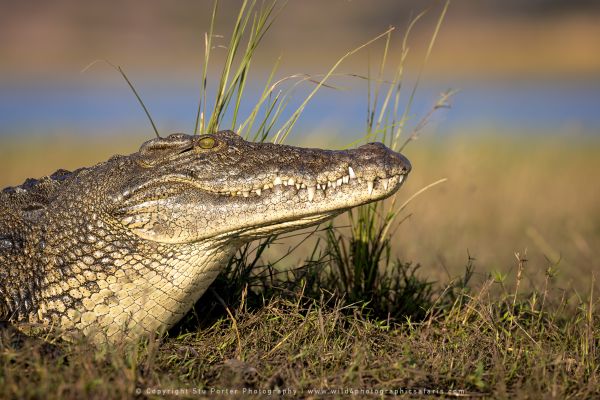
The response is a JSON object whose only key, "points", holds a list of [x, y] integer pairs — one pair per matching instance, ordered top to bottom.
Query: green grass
{"points": [[353, 316]]}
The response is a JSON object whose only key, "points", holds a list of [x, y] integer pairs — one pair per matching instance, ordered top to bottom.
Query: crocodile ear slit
{"points": [[156, 150]]}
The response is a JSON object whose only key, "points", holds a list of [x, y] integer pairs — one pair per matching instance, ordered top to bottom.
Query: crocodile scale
{"points": [[126, 247]]}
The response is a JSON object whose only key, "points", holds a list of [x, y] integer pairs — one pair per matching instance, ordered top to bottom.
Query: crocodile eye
{"points": [[207, 142]]}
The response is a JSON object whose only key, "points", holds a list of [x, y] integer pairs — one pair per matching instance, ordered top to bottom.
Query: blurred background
{"points": [[520, 145]]}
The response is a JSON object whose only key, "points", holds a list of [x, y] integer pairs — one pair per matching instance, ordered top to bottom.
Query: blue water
{"points": [[84, 106]]}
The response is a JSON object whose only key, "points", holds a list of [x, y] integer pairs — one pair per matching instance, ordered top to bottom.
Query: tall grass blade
{"points": [[420, 73], [139, 99], [200, 114], [281, 135]]}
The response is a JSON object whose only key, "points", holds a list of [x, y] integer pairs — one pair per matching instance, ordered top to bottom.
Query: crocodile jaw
{"points": [[259, 189]]}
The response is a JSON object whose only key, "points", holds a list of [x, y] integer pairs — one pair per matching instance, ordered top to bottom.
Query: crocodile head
{"points": [[192, 188], [126, 247]]}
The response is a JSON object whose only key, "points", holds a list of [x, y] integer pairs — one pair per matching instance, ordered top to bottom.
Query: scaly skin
{"points": [[126, 247]]}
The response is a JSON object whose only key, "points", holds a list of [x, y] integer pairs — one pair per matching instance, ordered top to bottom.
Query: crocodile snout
{"points": [[379, 150]]}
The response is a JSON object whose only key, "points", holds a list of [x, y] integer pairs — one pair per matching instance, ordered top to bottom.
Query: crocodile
{"points": [[125, 248]]}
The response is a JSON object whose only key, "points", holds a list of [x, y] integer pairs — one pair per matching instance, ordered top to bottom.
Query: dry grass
{"points": [[505, 195], [477, 345]]}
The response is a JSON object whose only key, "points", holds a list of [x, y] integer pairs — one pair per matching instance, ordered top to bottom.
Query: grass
{"points": [[354, 317], [510, 345]]}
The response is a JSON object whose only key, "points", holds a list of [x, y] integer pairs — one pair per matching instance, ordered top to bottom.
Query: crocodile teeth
{"points": [[351, 173], [385, 183], [311, 190], [311, 193]]}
